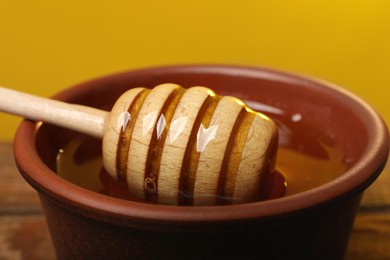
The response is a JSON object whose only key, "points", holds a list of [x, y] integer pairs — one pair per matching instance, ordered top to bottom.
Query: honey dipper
{"points": [[169, 144]]}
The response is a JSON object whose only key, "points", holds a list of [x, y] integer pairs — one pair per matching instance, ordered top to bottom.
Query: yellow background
{"points": [[47, 45]]}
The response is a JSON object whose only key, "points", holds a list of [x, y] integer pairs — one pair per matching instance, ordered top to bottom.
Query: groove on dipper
{"points": [[125, 137], [156, 145], [191, 155], [232, 157]]}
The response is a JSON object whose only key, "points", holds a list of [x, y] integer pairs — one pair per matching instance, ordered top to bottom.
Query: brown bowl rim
{"points": [[95, 205]]}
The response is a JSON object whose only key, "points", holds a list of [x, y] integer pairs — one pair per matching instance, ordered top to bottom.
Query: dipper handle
{"points": [[80, 118]]}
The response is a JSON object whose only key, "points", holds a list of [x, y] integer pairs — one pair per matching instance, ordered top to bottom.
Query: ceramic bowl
{"points": [[313, 224]]}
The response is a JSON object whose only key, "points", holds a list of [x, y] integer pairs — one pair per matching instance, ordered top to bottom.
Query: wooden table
{"points": [[24, 234]]}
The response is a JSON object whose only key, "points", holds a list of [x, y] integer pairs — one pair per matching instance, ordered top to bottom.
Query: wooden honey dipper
{"points": [[169, 144]]}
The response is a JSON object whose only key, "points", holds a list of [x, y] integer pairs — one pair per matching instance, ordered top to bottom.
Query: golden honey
{"points": [[304, 160]]}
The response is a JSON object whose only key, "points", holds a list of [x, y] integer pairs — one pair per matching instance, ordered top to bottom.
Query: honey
{"points": [[306, 159]]}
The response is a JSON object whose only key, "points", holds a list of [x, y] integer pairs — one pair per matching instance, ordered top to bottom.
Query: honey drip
{"points": [[124, 141], [157, 144], [191, 155], [232, 157]]}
